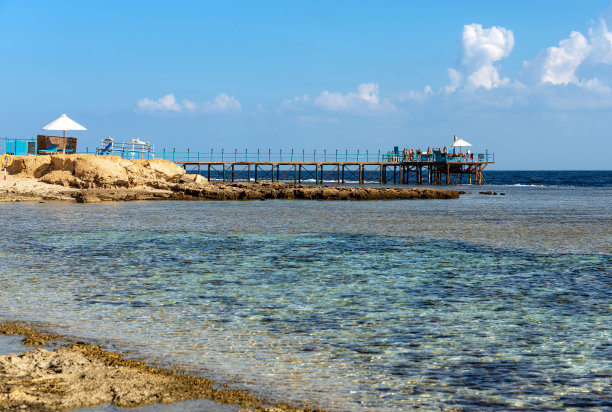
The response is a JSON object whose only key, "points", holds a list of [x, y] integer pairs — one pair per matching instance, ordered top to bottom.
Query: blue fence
{"points": [[28, 146], [297, 156]]}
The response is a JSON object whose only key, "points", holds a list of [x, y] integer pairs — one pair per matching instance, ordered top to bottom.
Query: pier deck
{"points": [[340, 172]]}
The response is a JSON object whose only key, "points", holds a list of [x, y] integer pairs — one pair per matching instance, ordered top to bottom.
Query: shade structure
{"points": [[64, 123], [460, 143]]}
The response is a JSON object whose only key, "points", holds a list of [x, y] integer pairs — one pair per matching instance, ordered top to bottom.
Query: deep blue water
{"points": [[577, 178], [580, 178], [485, 302]]}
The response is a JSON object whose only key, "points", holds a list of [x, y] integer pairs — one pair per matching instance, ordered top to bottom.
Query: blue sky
{"points": [[528, 80]]}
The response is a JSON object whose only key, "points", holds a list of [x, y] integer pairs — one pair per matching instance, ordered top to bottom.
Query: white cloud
{"points": [[601, 40], [483, 47], [480, 49], [558, 64], [561, 65], [455, 81], [596, 85], [415, 95], [367, 97], [166, 103], [222, 103], [295, 103], [189, 105]]}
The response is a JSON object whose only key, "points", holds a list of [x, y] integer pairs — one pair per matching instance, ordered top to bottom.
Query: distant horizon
{"points": [[531, 82]]}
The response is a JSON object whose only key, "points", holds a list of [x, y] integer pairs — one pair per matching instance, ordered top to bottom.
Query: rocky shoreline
{"points": [[91, 178], [78, 375]]}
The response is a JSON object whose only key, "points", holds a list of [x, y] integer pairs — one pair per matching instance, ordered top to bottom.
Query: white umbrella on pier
{"points": [[64, 123], [460, 143]]}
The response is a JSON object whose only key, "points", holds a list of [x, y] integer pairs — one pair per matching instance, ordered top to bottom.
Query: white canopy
{"points": [[63, 123], [460, 143]]}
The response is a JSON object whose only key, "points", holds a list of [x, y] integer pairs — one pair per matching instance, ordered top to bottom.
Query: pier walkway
{"points": [[338, 169]]}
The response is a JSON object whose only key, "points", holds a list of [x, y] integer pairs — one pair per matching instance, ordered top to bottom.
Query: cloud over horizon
{"points": [[480, 49], [560, 65], [476, 79], [365, 99], [166, 103], [222, 103]]}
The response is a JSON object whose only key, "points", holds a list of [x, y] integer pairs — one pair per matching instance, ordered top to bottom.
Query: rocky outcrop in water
{"points": [[91, 171], [91, 179], [266, 190]]}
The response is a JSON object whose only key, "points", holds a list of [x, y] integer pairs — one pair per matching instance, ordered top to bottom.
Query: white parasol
{"points": [[64, 123], [460, 143]]}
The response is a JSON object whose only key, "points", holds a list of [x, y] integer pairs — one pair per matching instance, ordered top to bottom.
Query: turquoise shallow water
{"points": [[487, 301]]}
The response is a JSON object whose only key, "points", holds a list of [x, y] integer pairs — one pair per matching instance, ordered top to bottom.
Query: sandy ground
{"points": [[31, 189], [78, 375]]}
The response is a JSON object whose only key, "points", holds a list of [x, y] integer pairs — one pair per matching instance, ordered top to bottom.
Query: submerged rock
{"points": [[86, 198], [80, 375]]}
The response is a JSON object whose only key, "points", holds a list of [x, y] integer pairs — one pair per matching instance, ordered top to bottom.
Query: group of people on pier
{"points": [[432, 154], [415, 155]]}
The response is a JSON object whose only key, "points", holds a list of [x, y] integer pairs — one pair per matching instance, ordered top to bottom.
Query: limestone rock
{"points": [[62, 162], [30, 166], [162, 169], [102, 170], [93, 171], [62, 177], [193, 178], [84, 197]]}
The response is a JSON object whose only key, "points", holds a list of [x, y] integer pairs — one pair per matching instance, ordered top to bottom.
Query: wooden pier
{"points": [[447, 172]]}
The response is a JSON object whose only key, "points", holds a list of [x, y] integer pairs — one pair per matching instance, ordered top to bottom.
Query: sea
{"points": [[499, 300]]}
